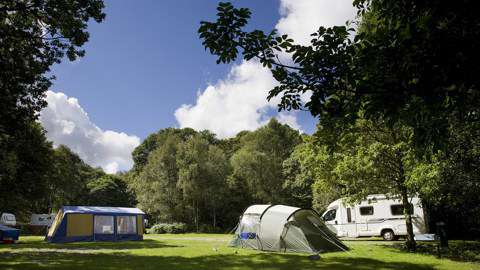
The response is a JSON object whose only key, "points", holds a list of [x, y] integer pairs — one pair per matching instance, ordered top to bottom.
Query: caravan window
{"points": [[397, 209], [366, 210], [330, 215], [349, 215], [103, 224], [126, 225]]}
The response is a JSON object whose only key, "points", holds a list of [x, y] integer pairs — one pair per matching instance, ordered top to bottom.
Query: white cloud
{"points": [[300, 18], [239, 102], [231, 105], [290, 119], [67, 123]]}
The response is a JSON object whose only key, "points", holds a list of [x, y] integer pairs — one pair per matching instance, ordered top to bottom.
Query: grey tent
{"points": [[284, 228]]}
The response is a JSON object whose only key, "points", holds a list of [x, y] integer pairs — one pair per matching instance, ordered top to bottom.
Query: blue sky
{"points": [[144, 61], [145, 69]]}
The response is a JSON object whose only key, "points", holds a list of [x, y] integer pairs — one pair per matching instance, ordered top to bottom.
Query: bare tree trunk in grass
{"points": [[196, 214], [214, 219], [410, 243]]}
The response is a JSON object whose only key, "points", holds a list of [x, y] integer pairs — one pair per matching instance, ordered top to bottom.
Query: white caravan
{"points": [[375, 216], [42, 219]]}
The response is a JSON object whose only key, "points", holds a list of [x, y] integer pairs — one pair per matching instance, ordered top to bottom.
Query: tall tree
{"points": [[34, 36], [141, 153], [372, 157], [258, 163], [25, 171], [202, 172], [69, 178], [309, 179], [156, 184], [109, 190], [457, 202]]}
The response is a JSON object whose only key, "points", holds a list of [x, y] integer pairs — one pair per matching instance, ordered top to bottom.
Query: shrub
{"points": [[168, 228]]}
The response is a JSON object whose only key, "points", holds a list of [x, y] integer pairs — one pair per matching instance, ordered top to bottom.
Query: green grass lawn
{"points": [[206, 251]]}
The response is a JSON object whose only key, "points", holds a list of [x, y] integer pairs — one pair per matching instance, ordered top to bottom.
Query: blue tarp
{"points": [[101, 210], [7, 233], [248, 235]]}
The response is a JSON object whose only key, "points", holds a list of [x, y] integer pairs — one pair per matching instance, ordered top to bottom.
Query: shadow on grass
{"points": [[122, 245], [458, 250], [125, 261]]}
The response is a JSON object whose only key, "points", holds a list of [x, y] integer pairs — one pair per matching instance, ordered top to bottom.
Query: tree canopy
{"points": [[34, 35], [409, 62]]}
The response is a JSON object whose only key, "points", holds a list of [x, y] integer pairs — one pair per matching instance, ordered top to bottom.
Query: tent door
{"points": [[293, 239]]}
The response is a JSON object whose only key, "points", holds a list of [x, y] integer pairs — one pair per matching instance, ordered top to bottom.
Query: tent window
{"points": [[397, 209], [366, 210], [330, 215], [349, 215], [104, 224], [126, 225]]}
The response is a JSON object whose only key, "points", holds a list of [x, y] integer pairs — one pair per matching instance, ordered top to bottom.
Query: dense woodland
{"points": [[397, 103]]}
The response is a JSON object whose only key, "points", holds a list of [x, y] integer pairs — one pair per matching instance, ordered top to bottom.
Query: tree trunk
{"points": [[196, 215], [214, 218], [411, 244]]}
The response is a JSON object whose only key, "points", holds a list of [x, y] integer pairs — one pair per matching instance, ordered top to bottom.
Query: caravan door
{"points": [[364, 214], [350, 225]]}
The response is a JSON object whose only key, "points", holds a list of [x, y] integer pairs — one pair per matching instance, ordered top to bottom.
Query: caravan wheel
{"points": [[388, 235]]}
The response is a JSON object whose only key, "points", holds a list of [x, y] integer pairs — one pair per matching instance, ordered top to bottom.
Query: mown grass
{"points": [[207, 251]]}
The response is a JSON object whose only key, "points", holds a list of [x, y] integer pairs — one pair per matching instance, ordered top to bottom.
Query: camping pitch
{"points": [[88, 223], [285, 228]]}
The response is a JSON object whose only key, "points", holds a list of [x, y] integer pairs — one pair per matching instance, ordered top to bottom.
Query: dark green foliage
{"points": [[34, 36], [141, 153], [26, 164], [257, 165], [202, 170], [299, 176], [48, 178], [69, 178], [182, 178], [194, 178], [73, 182], [155, 185], [109, 190], [457, 202]]}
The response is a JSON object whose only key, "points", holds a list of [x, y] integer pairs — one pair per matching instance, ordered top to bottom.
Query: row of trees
{"points": [[181, 175]]}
